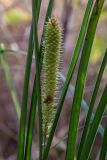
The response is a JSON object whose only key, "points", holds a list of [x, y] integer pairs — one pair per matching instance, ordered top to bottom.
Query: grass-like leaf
{"points": [[38, 8], [69, 76], [81, 78], [10, 83], [38, 86], [34, 94], [93, 99], [34, 102], [84, 104], [94, 127], [30, 129], [21, 141], [104, 145]]}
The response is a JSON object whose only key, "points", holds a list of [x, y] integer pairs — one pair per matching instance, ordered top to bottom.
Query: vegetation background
{"points": [[15, 21]]}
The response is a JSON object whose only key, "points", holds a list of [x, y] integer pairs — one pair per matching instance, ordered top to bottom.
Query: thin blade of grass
{"points": [[38, 8], [69, 75], [81, 78], [10, 83], [38, 87], [34, 102], [84, 104], [33, 105], [91, 106], [94, 127], [30, 130], [21, 141], [104, 145]]}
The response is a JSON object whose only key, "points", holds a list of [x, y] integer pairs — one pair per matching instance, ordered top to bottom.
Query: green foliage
{"points": [[35, 10], [48, 55], [81, 78], [92, 103], [93, 129], [22, 131], [104, 145]]}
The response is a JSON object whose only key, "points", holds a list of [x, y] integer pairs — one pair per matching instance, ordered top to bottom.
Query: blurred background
{"points": [[15, 21]]}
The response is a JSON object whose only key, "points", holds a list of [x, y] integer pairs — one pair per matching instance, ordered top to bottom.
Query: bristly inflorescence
{"points": [[50, 72]]}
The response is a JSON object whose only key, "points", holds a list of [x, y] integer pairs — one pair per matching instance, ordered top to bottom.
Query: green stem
{"points": [[36, 49], [81, 79], [91, 106], [32, 107], [31, 123], [94, 126], [21, 141], [104, 145]]}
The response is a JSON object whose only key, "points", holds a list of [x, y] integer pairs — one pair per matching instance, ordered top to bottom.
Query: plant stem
{"points": [[81, 79], [38, 86], [91, 106], [31, 123], [94, 126], [21, 141], [104, 145]]}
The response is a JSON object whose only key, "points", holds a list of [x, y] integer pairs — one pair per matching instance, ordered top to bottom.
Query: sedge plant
{"points": [[44, 94]]}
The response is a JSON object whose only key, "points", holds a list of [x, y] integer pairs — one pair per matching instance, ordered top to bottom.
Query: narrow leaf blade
{"points": [[81, 78], [91, 106], [94, 127], [21, 141], [104, 145]]}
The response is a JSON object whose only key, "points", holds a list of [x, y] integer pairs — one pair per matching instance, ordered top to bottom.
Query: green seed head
{"points": [[50, 71]]}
